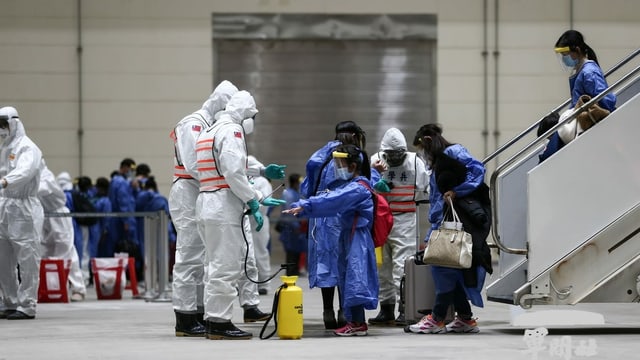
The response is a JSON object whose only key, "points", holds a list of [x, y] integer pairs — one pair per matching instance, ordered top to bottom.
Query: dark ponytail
{"points": [[575, 41]]}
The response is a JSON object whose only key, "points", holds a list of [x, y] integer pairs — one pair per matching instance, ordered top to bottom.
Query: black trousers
{"points": [[458, 298]]}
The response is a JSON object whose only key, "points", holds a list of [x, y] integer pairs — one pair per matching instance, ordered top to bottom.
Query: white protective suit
{"points": [[410, 183], [224, 193], [21, 217], [57, 232], [261, 238], [188, 271]]}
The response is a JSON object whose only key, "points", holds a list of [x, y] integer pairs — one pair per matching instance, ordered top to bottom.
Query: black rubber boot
{"points": [[253, 314], [385, 317], [200, 318], [329, 318], [400, 320], [188, 325], [226, 331]]}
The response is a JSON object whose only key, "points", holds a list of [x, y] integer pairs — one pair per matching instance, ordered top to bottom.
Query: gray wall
{"points": [[144, 65]]}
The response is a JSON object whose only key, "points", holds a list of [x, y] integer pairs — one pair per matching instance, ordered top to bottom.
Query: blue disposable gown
{"points": [[590, 81], [122, 200], [323, 232], [322, 249], [356, 261], [445, 279]]}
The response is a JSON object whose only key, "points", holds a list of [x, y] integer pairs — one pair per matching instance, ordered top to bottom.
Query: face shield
{"points": [[566, 58], [394, 157], [341, 165]]}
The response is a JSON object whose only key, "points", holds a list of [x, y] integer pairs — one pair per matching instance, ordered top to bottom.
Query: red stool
{"points": [[114, 268], [53, 280], [133, 280]]}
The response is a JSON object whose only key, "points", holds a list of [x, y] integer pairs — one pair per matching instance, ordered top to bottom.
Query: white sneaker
{"points": [[77, 297], [428, 326], [463, 326]]}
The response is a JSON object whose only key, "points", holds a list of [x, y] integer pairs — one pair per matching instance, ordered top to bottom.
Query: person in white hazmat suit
{"points": [[404, 181], [225, 198], [21, 217], [57, 232], [261, 238], [188, 270]]}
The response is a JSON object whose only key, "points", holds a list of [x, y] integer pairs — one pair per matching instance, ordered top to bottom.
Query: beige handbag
{"points": [[449, 246]]}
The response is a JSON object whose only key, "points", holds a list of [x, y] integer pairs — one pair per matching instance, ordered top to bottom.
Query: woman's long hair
{"points": [[575, 41], [432, 142]]}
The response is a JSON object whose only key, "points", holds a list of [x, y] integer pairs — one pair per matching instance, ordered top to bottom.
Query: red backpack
{"points": [[382, 217]]}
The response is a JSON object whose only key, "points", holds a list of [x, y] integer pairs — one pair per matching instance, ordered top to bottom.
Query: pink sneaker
{"points": [[428, 326], [463, 326], [352, 329]]}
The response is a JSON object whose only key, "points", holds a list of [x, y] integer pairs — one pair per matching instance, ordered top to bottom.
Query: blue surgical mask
{"points": [[569, 61], [343, 173]]}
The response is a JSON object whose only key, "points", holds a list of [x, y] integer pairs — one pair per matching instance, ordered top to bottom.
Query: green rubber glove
{"points": [[274, 171], [382, 187], [269, 201], [254, 205], [257, 216]]}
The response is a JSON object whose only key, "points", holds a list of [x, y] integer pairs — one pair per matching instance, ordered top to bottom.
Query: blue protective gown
{"points": [[590, 81], [122, 200], [99, 231], [322, 249], [356, 261], [445, 279]]}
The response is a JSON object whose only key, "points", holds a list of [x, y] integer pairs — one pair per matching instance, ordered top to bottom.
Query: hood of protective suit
{"points": [[218, 100], [241, 106], [16, 129], [393, 140], [64, 180]]}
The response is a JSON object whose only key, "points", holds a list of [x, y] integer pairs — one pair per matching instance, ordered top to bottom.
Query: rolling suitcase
{"points": [[417, 290]]}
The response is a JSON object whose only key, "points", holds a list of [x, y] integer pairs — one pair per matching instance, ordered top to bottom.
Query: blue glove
{"points": [[274, 171], [382, 187], [269, 201], [254, 205], [257, 216]]}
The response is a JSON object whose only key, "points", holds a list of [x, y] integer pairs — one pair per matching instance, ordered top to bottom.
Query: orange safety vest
{"points": [[210, 177], [402, 196]]}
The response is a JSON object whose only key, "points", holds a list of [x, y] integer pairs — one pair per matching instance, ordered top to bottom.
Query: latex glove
{"points": [[274, 171], [382, 186], [269, 201], [254, 205], [257, 216]]}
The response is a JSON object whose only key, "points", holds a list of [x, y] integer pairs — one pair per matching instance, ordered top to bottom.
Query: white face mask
{"points": [[247, 125], [4, 134]]}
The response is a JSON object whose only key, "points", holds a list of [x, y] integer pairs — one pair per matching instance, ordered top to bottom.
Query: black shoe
{"points": [[262, 291], [4, 314], [254, 314], [19, 315], [385, 317], [329, 318], [400, 320], [342, 321], [188, 325], [226, 331]]}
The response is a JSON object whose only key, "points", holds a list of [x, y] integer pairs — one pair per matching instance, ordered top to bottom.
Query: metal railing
{"points": [[529, 147], [157, 287]]}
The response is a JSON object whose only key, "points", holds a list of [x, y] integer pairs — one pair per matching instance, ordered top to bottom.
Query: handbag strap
{"points": [[456, 218]]}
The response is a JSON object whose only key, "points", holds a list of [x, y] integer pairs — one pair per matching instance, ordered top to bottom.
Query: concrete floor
{"points": [[136, 329]]}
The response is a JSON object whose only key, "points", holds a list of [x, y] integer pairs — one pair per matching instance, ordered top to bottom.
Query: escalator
{"points": [[568, 229]]}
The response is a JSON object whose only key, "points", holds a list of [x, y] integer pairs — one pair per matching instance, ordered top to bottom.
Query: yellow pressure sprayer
{"points": [[286, 311]]}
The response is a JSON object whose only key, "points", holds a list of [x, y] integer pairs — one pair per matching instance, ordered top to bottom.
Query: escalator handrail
{"points": [[533, 126], [530, 146]]}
